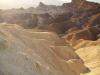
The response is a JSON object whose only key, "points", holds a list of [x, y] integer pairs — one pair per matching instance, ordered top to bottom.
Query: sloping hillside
{"points": [[27, 53]]}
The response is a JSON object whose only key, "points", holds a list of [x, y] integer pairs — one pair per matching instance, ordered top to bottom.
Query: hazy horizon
{"points": [[8, 4]]}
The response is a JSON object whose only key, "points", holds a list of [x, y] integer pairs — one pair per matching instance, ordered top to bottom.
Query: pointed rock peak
{"points": [[78, 1], [41, 4]]}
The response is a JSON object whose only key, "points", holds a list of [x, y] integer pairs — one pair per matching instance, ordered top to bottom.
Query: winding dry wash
{"points": [[51, 40]]}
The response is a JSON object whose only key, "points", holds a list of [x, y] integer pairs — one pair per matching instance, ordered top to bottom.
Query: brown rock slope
{"points": [[81, 13], [89, 33], [26, 53]]}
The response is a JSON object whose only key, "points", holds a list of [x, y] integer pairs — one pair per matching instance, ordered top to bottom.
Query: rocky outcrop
{"points": [[77, 1], [51, 9], [81, 14], [94, 21], [85, 34]]}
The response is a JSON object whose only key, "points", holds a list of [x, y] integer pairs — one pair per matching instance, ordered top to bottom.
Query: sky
{"points": [[7, 4]]}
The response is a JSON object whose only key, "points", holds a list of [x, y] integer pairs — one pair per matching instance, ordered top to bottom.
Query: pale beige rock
{"points": [[24, 54], [91, 57]]}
